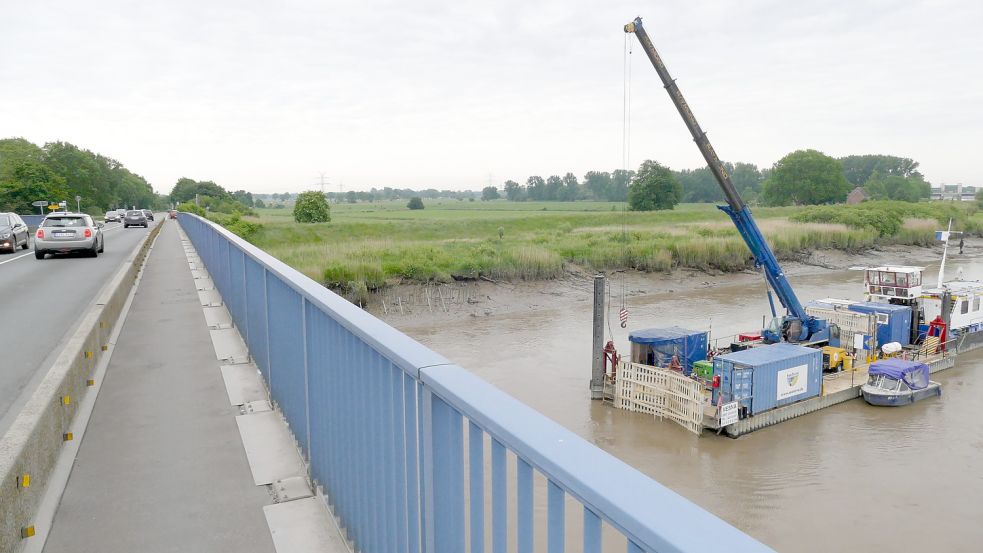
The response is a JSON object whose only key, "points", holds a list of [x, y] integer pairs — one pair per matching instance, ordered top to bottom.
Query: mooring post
{"points": [[597, 368]]}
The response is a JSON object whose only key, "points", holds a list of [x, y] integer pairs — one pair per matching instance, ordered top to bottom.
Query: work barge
{"points": [[809, 358]]}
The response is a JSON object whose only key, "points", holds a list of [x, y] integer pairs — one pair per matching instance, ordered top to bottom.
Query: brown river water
{"points": [[849, 478]]}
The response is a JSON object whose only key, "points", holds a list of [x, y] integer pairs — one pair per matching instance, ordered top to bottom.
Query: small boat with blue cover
{"points": [[894, 382]]}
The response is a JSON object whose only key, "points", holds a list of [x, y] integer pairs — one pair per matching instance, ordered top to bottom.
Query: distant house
{"points": [[954, 192], [856, 196]]}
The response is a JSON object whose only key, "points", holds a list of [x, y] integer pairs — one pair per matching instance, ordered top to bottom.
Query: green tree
{"points": [[859, 169], [746, 177], [806, 177], [23, 181], [620, 181], [597, 183], [699, 185], [654, 187], [892, 187], [536, 188], [554, 188], [571, 188], [513, 191], [489, 193], [243, 197], [415, 202], [312, 207]]}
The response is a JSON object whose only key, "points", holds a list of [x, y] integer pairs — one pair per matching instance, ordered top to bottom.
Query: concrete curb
{"points": [[30, 449]]}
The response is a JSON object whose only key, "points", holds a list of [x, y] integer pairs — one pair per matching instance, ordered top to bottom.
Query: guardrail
{"points": [[401, 441]]}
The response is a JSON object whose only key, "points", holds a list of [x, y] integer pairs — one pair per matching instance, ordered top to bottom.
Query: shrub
{"points": [[415, 203], [190, 207], [312, 207]]}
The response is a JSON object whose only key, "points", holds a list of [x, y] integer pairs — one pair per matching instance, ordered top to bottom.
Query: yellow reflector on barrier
{"points": [[104, 348], [90, 382], [66, 400], [68, 436], [24, 481], [27, 531]]}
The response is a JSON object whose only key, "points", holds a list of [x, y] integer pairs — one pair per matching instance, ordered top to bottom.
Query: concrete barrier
{"points": [[31, 447]]}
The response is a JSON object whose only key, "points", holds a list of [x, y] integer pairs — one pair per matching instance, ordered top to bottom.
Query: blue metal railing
{"points": [[401, 440]]}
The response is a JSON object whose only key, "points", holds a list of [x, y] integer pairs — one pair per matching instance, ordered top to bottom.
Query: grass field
{"points": [[369, 245]]}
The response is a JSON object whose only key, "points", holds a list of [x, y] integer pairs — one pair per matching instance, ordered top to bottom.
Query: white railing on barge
{"points": [[663, 393]]}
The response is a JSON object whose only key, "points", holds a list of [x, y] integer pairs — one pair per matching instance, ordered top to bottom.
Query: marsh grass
{"points": [[369, 246]]}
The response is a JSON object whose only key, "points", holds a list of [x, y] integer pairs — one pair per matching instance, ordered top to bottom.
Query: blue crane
{"points": [[797, 325]]}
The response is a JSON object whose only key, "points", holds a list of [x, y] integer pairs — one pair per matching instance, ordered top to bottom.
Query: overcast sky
{"points": [[266, 95]]}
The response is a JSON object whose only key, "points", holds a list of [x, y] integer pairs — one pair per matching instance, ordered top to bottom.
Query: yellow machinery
{"points": [[836, 359]]}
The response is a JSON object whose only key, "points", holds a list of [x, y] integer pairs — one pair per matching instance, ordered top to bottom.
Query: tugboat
{"points": [[896, 382]]}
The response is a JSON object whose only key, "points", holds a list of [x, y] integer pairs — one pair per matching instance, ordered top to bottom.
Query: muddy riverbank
{"points": [[849, 478]]}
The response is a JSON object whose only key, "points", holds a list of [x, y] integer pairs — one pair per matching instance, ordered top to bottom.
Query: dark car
{"points": [[149, 214], [135, 218], [13, 232]]}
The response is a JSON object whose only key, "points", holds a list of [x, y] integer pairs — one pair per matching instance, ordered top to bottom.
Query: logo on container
{"points": [[792, 382]]}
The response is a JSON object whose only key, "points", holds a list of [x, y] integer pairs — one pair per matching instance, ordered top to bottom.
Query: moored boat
{"points": [[894, 382]]}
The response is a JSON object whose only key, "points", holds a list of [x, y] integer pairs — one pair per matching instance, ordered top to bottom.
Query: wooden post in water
{"points": [[597, 366]]}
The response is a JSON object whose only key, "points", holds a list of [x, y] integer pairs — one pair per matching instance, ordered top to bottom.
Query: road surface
{"points": [[41, 301]]}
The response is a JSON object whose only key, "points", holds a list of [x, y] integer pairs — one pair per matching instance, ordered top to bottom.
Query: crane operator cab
{"points": [[790, 329]]}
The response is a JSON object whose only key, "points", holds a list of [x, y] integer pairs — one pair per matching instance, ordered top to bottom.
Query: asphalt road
{"points": [[41, 303]]}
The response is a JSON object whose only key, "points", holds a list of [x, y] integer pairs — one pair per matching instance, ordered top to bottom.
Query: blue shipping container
{"points": [[893, 321], [769, 376]]}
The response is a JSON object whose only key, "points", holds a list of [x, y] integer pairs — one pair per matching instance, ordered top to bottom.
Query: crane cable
{"points": [[625, 153]]}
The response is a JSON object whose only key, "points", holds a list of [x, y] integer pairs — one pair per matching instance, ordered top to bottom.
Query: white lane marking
{"points": [[23, 255], [16, 258]]}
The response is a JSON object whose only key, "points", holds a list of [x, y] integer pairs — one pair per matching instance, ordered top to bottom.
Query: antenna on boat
{"points": [[944, 236]]}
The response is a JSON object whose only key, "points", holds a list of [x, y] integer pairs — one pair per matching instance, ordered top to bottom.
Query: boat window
{"points": [[872, 277], [887, 278], [916, 279], [902, 280], [976, 303], [964, 306], [888, 383], [903, 387]]}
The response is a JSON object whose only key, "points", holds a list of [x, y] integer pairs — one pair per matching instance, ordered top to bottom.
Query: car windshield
{"points": [[110, 213], [133, 213], [4, 221], [63, 222]]}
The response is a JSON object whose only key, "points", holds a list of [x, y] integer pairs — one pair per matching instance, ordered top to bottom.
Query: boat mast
{"points": [[945, 249]]}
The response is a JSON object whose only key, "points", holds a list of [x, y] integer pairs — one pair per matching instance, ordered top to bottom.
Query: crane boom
{"points": [[738, 211]]}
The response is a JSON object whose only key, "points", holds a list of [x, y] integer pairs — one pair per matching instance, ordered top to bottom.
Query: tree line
{"points": [[59, 171], [802, 177], [201, 196]]}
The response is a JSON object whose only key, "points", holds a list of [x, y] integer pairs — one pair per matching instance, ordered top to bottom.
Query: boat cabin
{"points": [[888, 282], [898, 375], [896, 381]]}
